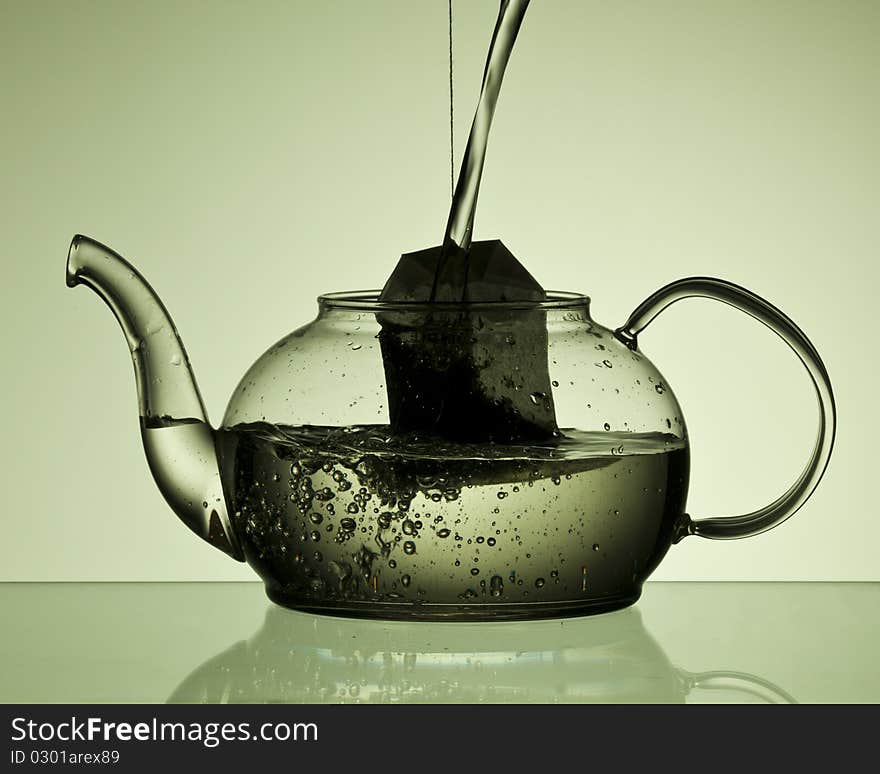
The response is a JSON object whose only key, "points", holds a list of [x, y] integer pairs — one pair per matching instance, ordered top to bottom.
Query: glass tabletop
{"points": [[225, 642]]}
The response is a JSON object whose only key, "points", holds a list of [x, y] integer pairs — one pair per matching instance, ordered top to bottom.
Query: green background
{"points": [[247, 157]]}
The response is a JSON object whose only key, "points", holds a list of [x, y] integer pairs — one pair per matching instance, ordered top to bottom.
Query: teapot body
{"points": [[342, 513]]}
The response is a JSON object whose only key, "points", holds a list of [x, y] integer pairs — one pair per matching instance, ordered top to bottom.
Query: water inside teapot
{"points": [[348, 515]]}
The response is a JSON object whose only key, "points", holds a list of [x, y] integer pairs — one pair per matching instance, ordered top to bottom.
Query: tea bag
{"points": [[457, 368], [461, 373]]}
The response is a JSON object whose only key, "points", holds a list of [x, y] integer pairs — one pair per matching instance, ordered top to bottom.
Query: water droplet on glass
{"points": [[409, 547], [406, 580], [539, 583]]}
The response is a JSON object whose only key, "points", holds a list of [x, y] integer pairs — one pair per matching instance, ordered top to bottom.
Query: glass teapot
{"points": [[339, 514]]}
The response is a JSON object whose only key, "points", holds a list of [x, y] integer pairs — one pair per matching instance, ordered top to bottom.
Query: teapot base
{"points": [[473, 612]]}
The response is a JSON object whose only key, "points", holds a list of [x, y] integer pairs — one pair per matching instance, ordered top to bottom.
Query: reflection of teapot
{"points": [[308, 482], [296, 657]]}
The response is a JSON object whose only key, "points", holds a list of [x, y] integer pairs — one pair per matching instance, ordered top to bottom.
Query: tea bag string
{"points": [[451, 114]]}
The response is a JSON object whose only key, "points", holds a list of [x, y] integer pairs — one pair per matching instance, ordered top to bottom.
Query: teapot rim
{"points": [[368, 300]]}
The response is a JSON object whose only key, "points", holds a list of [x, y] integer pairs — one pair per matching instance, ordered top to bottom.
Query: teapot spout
{"points": [[178, 440]]}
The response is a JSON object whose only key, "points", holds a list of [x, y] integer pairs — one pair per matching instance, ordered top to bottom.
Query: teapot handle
{"points": [[731, 527]]}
